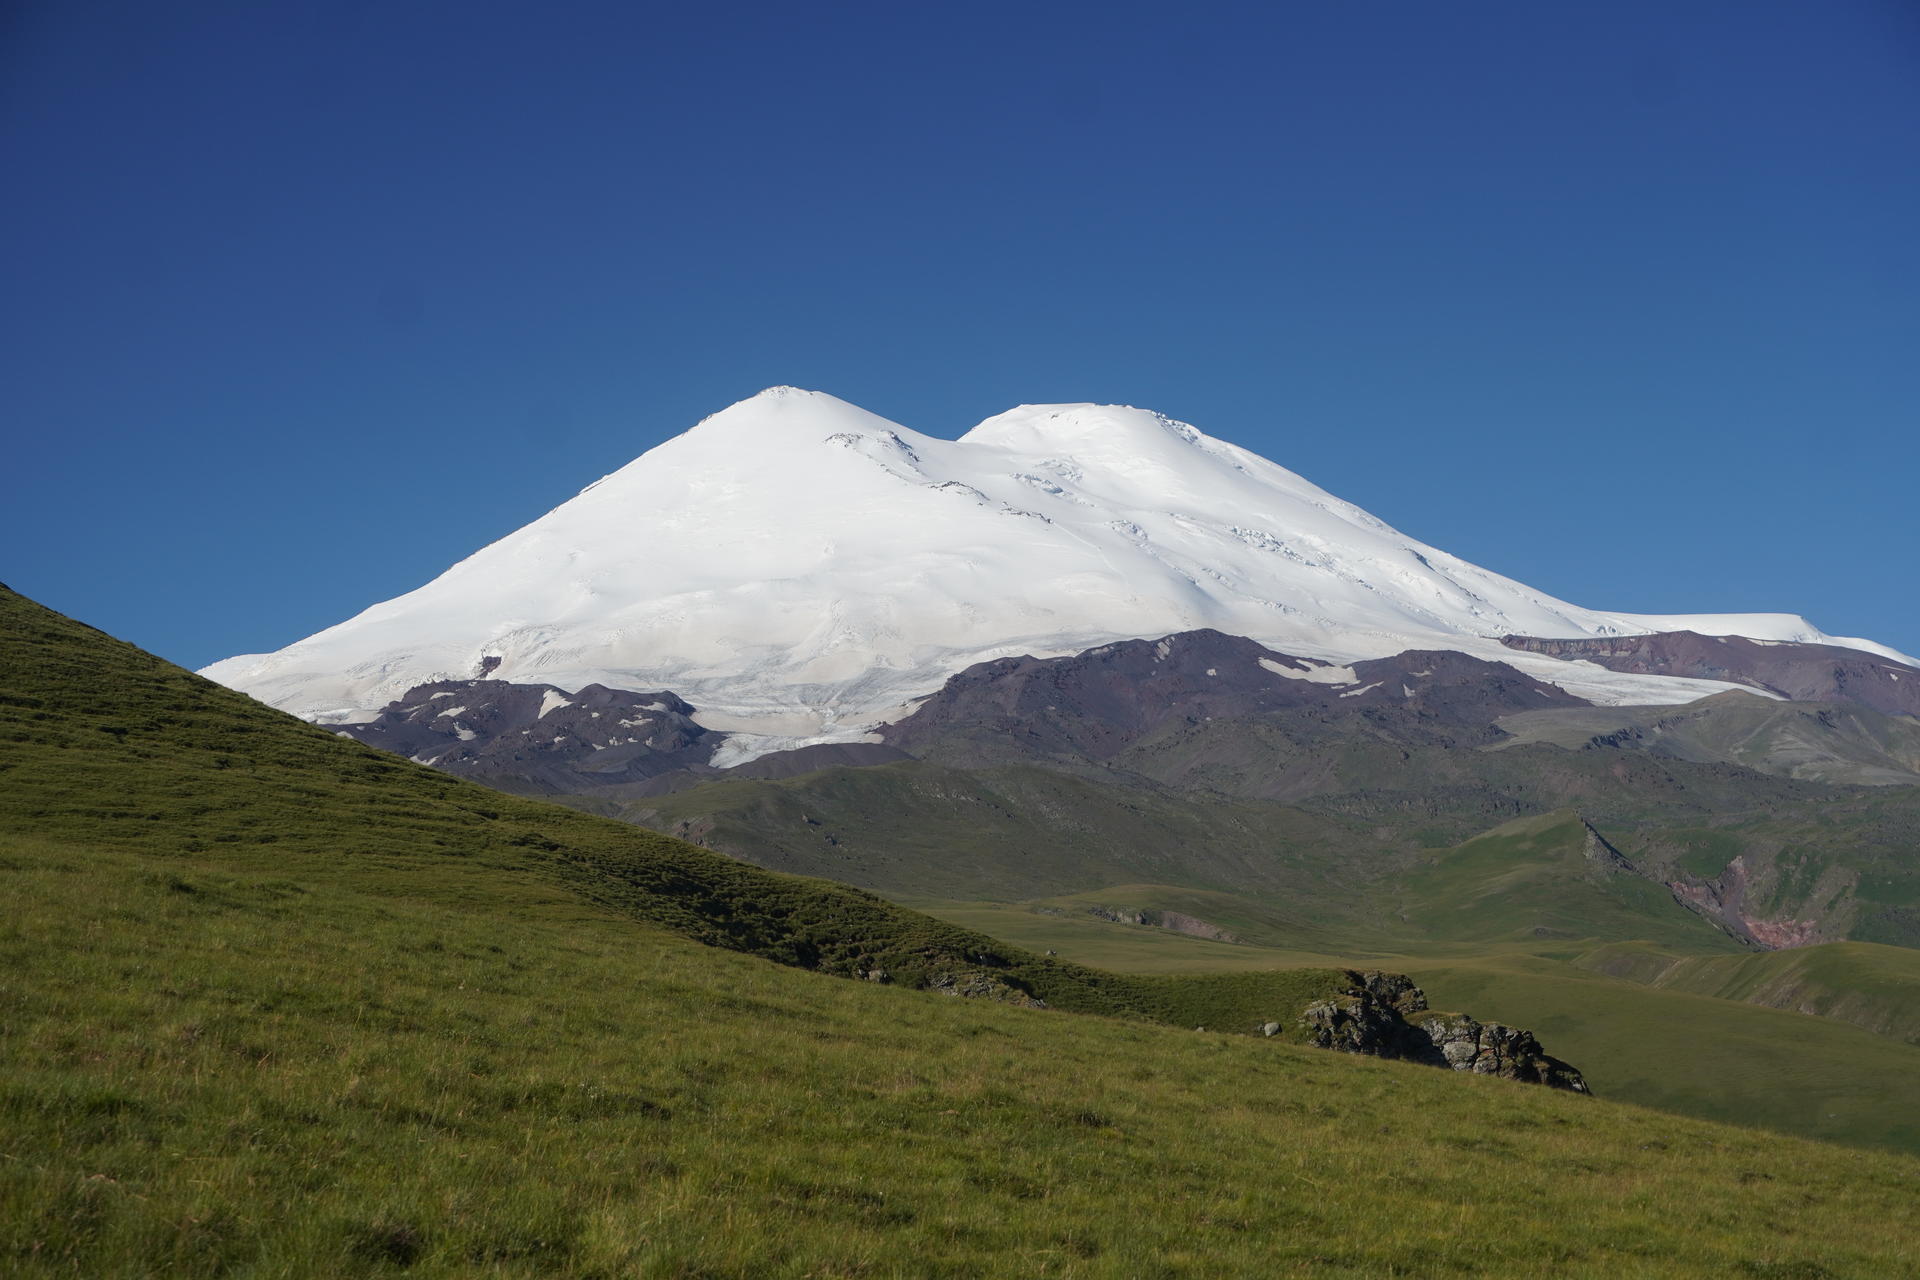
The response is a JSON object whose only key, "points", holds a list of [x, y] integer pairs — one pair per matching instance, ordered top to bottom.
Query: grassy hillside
{"points": [[920, 829], [1538, 878], [1871, 986], [274, 1004], [1696, 1049], [1694, 1054], [255, 1071]]}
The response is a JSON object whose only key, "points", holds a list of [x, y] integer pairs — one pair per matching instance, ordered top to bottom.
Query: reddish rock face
{"points": [[1799, 672], [1724, 899], [1781, 934]]}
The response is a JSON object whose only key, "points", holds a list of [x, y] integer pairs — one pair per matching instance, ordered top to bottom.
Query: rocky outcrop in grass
{"points": [[1384, 1015]]}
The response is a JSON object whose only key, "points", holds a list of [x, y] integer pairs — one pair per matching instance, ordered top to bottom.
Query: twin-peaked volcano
{"points": [[800, 568]]}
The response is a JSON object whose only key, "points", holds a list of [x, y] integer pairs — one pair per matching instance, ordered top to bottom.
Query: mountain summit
{"points": [[802, 569]]}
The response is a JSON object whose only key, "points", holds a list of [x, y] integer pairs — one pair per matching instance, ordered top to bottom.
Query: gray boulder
{"points": [[1384, 1015]]}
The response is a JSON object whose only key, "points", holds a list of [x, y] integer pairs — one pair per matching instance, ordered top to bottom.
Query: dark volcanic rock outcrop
{"points": [[1798, 672], [1098, 703], [538, 739], [1383, 1015]]}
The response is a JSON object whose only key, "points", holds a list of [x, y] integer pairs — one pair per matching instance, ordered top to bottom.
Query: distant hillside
{"points": [[1817, 741], [1208, 762], [1547, 878], [1871, 986]]}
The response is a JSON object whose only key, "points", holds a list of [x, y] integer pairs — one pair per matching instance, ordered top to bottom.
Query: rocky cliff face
{"points": [[1798, 672], [1602, 858], [1725, 900], [1384, 1015]]}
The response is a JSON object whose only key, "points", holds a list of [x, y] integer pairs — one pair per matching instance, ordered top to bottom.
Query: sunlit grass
{"points": [[1666, 1046], [213, 1070]]}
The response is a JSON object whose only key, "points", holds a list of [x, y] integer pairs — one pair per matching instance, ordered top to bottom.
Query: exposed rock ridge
{"points": [[1795, 671], [1096, 704], [537, 738], [1602, 856], [1176, 921], [975, 985], [1384, 1015]]}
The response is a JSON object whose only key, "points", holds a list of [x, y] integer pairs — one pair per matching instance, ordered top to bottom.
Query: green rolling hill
{"points": [[1544, 879], [1864, 983]]}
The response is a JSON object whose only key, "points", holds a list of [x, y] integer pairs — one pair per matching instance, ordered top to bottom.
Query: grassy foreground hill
{"points": [[274, 1004], [1726, 1038]]}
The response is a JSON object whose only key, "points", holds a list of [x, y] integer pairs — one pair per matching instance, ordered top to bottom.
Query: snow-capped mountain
{"points": [[801, 569]]}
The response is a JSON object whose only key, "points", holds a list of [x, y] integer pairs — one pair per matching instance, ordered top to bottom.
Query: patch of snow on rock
{"points": [[1318, 675]]}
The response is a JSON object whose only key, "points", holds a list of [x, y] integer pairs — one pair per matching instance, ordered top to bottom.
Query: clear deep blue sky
{"points": [[300, 303]]}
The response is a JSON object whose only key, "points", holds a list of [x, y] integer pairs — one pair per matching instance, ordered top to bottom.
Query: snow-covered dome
{"points": [[798, 567]]}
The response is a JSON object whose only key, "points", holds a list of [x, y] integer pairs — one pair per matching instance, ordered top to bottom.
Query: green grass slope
{"points": [[1313, 822], [919, 829], [1534, 879], [1868, 985], [272, 1004], [1696, 1054], [1719, 1057], [241, 1070]]}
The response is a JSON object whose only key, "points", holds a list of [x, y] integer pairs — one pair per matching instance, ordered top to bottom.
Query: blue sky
{"points": [[300, 303]]}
